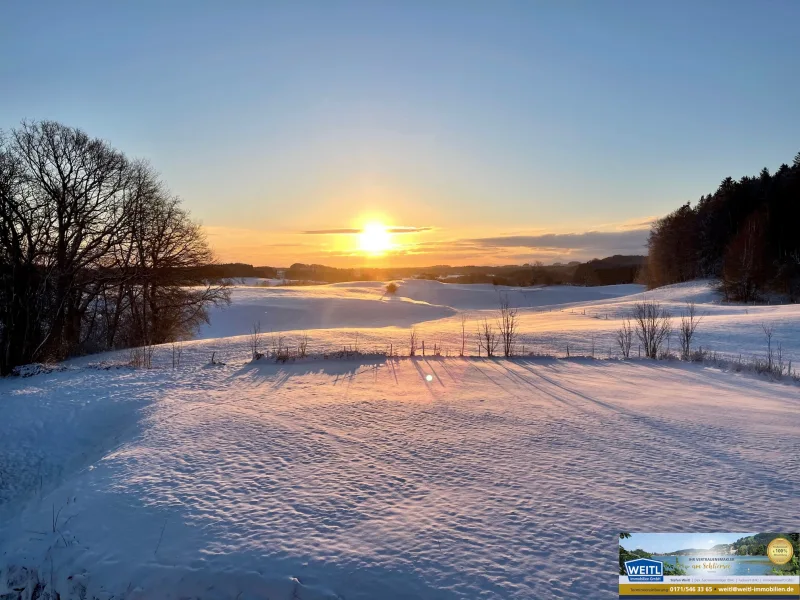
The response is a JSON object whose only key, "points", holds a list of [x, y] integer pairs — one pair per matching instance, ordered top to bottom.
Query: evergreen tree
{"points": [[745, 233]]}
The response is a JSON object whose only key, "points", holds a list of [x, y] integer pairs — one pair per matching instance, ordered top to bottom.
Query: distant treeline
{"points": [[746, 234], [612, 270], [236, 271], [607, 271]]}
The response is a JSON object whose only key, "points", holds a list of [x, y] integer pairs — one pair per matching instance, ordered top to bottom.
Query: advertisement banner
{"points": [[720, 565]]}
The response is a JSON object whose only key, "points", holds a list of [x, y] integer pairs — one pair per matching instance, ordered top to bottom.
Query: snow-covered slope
{"points": [[485, 296], [317, 307], [554, 320], [405, 478], [495, 479]]}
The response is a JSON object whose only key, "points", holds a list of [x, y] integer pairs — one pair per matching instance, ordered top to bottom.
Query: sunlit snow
{"points": [[432, 477]]}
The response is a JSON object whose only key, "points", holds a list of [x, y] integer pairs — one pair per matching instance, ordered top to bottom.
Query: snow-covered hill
{"points": [[317, 307], [553, 320]]}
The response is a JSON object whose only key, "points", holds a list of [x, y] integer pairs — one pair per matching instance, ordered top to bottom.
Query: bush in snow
{"points": [[689, 322], [508, 324], [653, 326], [487, 338], [625, 338], [254, 341], [302, 346], [177, 351], [141, 357], [773, 362], [776, 367], [36, 369]]}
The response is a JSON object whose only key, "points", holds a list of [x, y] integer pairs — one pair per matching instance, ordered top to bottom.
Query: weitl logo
{"points": [[644, 569]]}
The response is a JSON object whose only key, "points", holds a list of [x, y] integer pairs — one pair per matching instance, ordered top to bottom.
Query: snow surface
{"points": [[317, 307], [554, 320], [365, 479]]}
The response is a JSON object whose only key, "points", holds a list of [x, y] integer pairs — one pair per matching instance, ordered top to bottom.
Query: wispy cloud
{"points": [[637, 223], [396, 229], [408, 229], [331, 231], [610, 242]]}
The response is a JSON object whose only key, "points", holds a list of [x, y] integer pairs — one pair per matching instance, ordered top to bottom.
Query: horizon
{"points": [[472, 135], [433, 266]]}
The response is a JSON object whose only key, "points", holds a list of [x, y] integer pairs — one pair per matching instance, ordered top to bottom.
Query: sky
{"points": [[480, 132], [656, 543]]}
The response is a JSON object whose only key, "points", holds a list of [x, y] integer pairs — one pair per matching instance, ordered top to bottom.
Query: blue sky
{"points": [[474, 119], [670, 542]]}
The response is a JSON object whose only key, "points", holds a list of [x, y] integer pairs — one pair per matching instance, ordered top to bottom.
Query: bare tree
{"points": [[76, 186], [23, 238], [169, 248], [94, 252], [689, 322], [508, 325], [653, 326], [768, 332], [625, 337], [487, 338], [254, 341], [412, 342], [277, 345], [302, 347], [177, 351], [141, 357]]}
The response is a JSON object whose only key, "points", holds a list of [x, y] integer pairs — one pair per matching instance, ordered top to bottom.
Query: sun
{"points": [[374, 239]]}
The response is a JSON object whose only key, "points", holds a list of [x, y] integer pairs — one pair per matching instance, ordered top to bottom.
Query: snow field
{"points": [[553, 320], [431, 478], [496, 479]]}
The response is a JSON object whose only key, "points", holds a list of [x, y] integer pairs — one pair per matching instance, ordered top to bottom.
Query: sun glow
{"points": [[374, 239]]}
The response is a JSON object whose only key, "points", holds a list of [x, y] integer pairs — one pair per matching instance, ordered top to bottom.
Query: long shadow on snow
{"points": [[346, 370], [279, 373], [721, 379], [65, 406], [677, 433]]}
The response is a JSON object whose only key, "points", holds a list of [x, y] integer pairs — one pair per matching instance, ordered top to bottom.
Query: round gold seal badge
{"points": [[780, 551]]}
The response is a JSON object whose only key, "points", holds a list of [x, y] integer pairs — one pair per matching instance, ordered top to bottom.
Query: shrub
{"points": [[689, 322], [508, 324], [653, 326], [487, 338], [625, 338], [254, 341], [412, 342], [302, 347], [141, 357]]}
